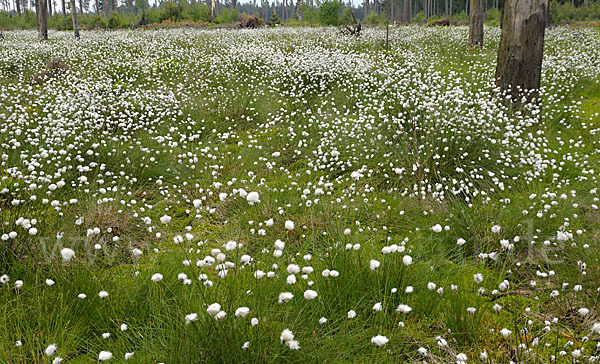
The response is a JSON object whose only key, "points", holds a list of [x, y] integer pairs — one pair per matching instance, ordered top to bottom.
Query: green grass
{"points": [[196, 136]]}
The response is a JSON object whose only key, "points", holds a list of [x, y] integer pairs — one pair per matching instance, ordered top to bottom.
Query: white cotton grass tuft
{"points": [[252, 198], [165, 219], [289, 225], [67, 254], [374, 264], [156, 277], [309, 294], [285, 297], [402, 308], [213, 309], [242, 312], [191, 318], [287, 338], [379, 340], [50, 349], [105, 355]]}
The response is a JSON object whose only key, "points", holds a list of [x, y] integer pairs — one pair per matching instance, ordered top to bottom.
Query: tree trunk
{"points": [[234, 4], [18, 6], [49, 7], [64, 7], [98, 7], [212, 10], [81, 11], [297, 11], [405, 12], [42, 19], [75, 21], [476, 24], [521, 48]]}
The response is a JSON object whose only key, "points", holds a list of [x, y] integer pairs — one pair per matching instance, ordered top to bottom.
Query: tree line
{"points": [[122, 13]]}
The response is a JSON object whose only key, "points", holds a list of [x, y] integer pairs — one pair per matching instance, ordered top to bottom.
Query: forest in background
{"points": [[119, 14]]}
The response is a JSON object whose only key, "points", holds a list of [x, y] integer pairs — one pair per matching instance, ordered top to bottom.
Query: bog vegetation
{"points": [[295, 195]]}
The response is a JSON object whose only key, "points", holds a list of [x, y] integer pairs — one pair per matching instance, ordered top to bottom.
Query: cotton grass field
{"points": [[295, 195]]}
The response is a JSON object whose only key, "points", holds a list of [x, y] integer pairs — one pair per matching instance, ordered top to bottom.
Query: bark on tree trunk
{"points": [[234, 4], [18, 6], [49, 7], [64, 7], [81, 7], [97, 7], [212, 10], [297, 11], [406, 12], [447, 13], [42, 19], [75, 21], [476, 24], [521, 49]]}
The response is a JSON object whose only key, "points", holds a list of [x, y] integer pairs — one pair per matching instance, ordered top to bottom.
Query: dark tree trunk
{"points": [[234, 4], [18, 6], [49, 7], [64, 7], [97, 7], [81, 11], [297, 11], [406, 12], [42, 19], [75, 21], [476, 24], [521, 48]]}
